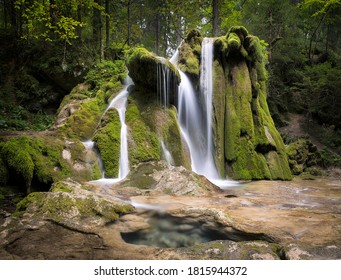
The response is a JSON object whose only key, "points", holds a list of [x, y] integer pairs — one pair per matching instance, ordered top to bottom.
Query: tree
{"points": [[215, 15], [320, 17]]}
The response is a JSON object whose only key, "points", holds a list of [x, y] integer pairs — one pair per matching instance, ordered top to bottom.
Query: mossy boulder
{"points": [[189, 55], [148, 70], [81, 110], [78, 119], [107, 138], [143, 142], [248, 145], [303, 156], [34, 162], [69, 204]]}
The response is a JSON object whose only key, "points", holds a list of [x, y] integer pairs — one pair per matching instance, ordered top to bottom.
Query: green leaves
{"points": [[50, 20]]}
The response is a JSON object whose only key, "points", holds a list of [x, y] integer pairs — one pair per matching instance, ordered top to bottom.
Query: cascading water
{"points": [[163, 93], [120, 104], [195, 118], [90, 146], [166, 153]]}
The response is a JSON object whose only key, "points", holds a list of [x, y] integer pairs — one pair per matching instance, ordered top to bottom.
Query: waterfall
{"points": [[206, 91], [163, 92], [120, 104], [195, 117], [90, 146], [166, 153]]}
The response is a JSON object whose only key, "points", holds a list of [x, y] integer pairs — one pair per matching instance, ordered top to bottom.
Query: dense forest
{"points": [[47, 47]]}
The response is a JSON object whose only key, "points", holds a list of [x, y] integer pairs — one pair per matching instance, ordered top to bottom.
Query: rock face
{"points": [[151, 115], [247, 143]]}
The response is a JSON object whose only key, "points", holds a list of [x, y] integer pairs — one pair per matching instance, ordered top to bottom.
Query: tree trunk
{"points": [[215, 9], [53, 12], [5, 14], [79, 18], [128, 23], [107, 24], [97, 29], [178, 32], [157, 33], [314, 34]]}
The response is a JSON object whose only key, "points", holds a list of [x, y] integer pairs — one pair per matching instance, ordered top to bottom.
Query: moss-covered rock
{"points": [[189, 55], [148, 70], [81, 110], [80, 119], [161, 122], [107, 138], [143, 143], [253, 148], [303, 156], [34, 160], [69, 204]]}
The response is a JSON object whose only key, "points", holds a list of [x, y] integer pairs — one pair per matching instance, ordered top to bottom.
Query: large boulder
{"points": [[150, 71], [34, 162]]}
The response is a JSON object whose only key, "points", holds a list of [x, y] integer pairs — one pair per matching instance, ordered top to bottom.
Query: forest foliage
{"points": [[48, 46]]}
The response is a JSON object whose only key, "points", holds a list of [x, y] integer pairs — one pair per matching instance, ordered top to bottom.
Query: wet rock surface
{"points": [[256, 220]]}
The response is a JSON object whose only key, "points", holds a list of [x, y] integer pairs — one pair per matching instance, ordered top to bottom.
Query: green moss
{"points": [[240, 31], [233, 42], [189, 54], [188, 62], [143, 69], [106, 73], [79, 92], [91, 98], [239, 119], [218, 122], [164, 123], [82, 124], [107, 139], [144, 143], [253, 147], [303, 155], [38, 158], [96, 172], [61, 187], [36, 198], [63, 206], [258, 247]]}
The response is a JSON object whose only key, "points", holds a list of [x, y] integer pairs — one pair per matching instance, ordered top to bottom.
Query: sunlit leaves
{"points": [[50, 20]]}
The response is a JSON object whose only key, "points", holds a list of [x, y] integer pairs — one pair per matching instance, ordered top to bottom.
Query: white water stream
{"points": [[120, 104], [195, 117]]}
